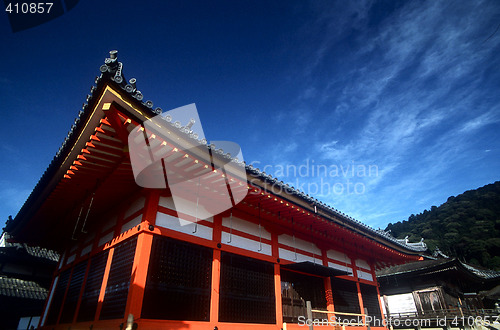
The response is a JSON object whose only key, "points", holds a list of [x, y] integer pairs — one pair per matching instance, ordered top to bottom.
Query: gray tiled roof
{"points": [[33, 251], [438, 264], [484, 273], [14, 287]]}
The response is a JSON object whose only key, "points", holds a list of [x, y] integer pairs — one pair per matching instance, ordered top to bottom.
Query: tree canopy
{"points": [[466, 226]]}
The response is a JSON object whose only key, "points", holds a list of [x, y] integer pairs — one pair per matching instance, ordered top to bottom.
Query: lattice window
{"points": [[178, 282], [296, 289], [246, 290], [73, 294], [90, 295], [345, 297], [57, 298], [115, 298], [370, 300]]}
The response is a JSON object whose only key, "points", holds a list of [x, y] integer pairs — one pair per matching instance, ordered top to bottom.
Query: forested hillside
{"points": [[466, 226]]}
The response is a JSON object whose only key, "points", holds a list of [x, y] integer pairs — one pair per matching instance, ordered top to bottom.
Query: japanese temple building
{"points": [[129, 257], [437, 287]]}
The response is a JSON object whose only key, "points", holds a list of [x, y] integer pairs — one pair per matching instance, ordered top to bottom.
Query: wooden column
{"points": [[151, 206], [141, 257], [355, 274], [139, 275], [277, 281], [328, 285], [214, 297], [214, 302], [380, 305]]}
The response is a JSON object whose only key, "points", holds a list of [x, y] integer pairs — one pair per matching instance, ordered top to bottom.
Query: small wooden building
{"points": [[129, 257], [437, 287]]}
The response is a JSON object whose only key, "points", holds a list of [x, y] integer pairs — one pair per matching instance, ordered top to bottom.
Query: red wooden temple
{"points": [[129, 259]]}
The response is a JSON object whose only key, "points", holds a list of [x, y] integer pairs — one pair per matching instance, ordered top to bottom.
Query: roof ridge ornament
{"points": [[112, 66]]}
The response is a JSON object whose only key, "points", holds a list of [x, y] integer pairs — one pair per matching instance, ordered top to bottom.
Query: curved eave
{"points": [[106, 92], [312, 205]]}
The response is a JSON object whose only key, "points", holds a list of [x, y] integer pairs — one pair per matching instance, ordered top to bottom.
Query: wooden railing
{"points": [[445, 312], [461, 316], [457, 317], [336, 324]]}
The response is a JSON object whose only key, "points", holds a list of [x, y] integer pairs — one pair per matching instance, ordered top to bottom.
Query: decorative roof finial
{"points": [[113, 54]]}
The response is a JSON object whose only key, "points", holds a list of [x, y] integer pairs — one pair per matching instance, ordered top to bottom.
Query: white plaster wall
{"points": [[167, 202], [135, 206], [132, 223], [183, 226], [246, 227], [106, 238], [245, 243], [299, 244], [86, 250], [290, 255], [339, 256], [70, 259], [362, 264], [340, 267], [364, 275]]}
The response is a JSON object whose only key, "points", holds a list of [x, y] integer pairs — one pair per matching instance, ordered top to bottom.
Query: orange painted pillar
{"points": [[151, 206], [141, 257], [355, 274], [139, 275], [374, 276], [277, 281], [328, 286], [214, 297], [360, 298], [380, 305]]}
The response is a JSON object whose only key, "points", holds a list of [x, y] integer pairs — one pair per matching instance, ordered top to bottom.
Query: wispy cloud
{"points": [[406, 96], [482, 120], [12, 197]]}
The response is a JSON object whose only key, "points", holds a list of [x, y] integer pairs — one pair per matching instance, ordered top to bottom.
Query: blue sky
{"points": [[396, 103]]}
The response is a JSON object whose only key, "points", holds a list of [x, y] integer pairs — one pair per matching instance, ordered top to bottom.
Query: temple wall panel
{"points": [[136, 205], [131, 223], [184, 226], [105, 238], [246, 243], [299, 244], [338, 256], [362, 264], [340, 267], [364, 275]]}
